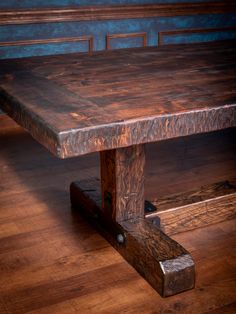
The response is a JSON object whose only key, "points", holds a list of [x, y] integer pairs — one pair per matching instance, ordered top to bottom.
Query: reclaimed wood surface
{"points": [[77, 104], [53, 262]]}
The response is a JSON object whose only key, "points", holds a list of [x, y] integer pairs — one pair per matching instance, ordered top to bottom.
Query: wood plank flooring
{"points": [[52, 261]]}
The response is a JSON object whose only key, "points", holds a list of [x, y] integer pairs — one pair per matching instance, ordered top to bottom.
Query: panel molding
{"points": [[67, 14], [162, 34], [109, 37], [89, 39]]}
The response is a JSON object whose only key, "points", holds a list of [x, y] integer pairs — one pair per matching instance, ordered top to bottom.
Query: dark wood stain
{"points": [[120, 98]]}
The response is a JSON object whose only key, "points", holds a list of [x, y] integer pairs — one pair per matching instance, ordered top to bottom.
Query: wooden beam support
{"points": [[122, 178], [210, 204], [165, 264]]}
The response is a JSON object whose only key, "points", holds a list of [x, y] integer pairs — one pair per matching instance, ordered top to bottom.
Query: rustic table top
{"points": [[77, 103]]}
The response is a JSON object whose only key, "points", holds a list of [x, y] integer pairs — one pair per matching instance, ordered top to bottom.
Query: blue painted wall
{"points": [[51, 3], [99, 29]]}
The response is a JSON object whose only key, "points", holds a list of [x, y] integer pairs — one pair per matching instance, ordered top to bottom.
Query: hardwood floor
{"points": [[52, 261]]}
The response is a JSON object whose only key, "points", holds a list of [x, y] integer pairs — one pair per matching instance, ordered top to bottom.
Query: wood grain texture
{"points": [[51, 15], [162, 34], [109, 37], [79, 104], [122, 181], [205, 192], [210, 204], [53, 262], [166, 265]]}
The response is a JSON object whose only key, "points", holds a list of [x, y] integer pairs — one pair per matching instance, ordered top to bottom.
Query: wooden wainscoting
{"points": [[191, 31], [109, 37], [89, 39]]}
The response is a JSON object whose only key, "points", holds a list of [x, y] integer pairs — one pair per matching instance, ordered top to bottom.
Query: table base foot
{"points": [[164, 263]]}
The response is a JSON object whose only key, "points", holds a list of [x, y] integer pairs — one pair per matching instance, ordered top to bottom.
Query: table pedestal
{"points": [[116, 209]]}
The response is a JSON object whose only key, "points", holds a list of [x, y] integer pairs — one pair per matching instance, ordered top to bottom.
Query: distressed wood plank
{"points": [[79, 104]]}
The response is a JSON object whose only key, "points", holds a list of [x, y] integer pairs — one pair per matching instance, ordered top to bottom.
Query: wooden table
{"points": [[113, 103]]}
